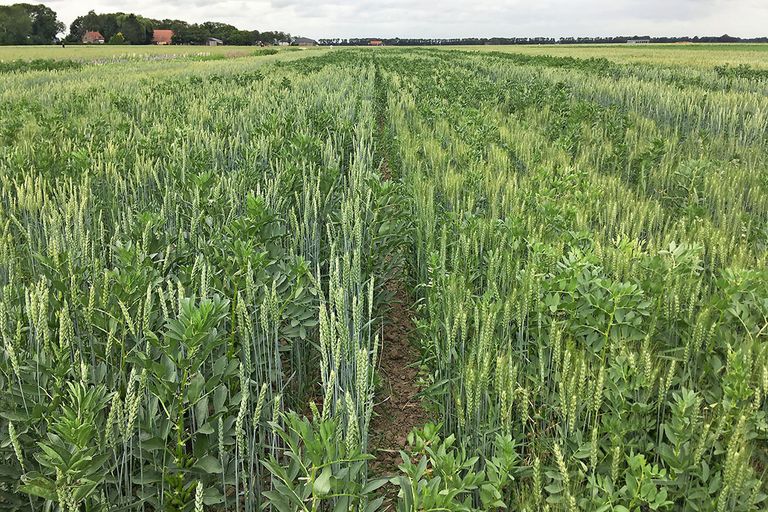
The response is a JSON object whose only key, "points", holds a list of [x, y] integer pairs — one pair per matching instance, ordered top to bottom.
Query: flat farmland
{"points": [[105, 52], [698, 55], [412, 279]]}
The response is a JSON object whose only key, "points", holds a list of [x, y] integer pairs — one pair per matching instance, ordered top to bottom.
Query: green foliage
{"points": [[15, 24], [28, 24], [135, 29], [118, 38], [21, 66], [742, 71], [195, 254], [588, 273], [199, 292], [73, 456], [323, 472], [438, 475]]}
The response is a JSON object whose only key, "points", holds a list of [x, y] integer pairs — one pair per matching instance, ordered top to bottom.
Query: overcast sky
{"points": [[452, 18]]}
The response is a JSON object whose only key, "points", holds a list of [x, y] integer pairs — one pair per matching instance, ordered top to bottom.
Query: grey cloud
{"points": [[459, 18]]}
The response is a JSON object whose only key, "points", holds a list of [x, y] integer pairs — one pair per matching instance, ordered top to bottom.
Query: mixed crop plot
{"points": [[110, 53], [703, 57], [589, 245], [198, 258]]}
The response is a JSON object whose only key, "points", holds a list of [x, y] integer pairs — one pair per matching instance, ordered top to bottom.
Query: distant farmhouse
{"points": [[93, 37], [162, 37], [212, 41], [303, 41], [638, 41], [376, 42]]}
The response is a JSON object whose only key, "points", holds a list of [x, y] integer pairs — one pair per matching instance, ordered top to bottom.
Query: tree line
{"points": [[28, 24], [38, 24], [137, 29], [470, 41]]}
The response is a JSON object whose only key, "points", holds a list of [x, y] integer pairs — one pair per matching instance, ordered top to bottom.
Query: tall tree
{"points": [[45, 23], [28, 24], [83, 24], [15, 25], [138, 30], [134, 31]]}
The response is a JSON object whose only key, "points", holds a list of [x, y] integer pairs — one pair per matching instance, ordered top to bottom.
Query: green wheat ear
{"points": [[16, 444], [199, 497]]}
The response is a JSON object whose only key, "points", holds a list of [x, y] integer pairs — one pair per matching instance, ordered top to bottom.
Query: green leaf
{"points": [[220, 365], [195, 387], [220, 398], [201, 410], [16, 416], [206, 429], [209, 464], [147, 477], [322, 485], [373, 485], [40, 486], [374, 505]]}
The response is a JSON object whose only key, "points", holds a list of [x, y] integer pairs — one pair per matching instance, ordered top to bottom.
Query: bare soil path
{"points": [[398, 409]]}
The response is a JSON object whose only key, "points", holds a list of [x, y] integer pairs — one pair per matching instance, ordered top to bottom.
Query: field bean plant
{"points": [[198, 257]]}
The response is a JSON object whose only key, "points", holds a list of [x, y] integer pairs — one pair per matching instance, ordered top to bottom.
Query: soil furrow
{"points": [[398, 409]]}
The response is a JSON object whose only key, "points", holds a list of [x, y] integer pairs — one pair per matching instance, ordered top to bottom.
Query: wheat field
{"points": [[205, 255]]}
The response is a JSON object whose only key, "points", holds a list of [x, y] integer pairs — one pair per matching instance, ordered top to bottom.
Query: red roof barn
{"points": [[162, 36], [92, 37], [376, 42]]}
